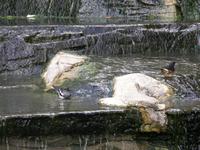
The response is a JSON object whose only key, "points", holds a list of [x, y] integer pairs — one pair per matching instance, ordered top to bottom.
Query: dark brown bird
{"points": [[168, 71]]}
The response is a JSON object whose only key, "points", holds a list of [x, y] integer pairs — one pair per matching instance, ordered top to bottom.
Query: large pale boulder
{"points": [[170, 2], [62, 66], [137, 89], [147, 94]]}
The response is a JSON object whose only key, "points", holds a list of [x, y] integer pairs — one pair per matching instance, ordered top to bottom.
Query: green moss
{"points": [[8, 17], [151, 17], [86, 72]]}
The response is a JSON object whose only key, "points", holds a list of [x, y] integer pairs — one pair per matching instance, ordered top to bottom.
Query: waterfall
{"points": [[37, 7]]}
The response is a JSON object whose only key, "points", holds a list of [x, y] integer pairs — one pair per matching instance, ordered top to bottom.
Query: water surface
{"points": [[94, 82]]}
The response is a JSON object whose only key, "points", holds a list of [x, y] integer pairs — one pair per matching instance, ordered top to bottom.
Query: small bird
{"points": [[168, 71], [62, 93]]}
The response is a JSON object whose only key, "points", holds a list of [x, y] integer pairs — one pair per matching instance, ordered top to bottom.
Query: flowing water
{"points": [[42, 20], [26, 95]]}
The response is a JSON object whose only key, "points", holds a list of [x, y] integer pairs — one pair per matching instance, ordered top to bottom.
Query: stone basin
{"points": [[29, 107], [26, 110]]}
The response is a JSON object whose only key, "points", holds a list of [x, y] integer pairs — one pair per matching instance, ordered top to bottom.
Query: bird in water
{"points": [[168, 71], [63, 93]]}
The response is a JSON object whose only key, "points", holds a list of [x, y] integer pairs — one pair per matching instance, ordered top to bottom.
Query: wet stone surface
{"points": [[87, 8], [24, 49], [113, 50], [27, 106], [93, 122], [89, 142]]}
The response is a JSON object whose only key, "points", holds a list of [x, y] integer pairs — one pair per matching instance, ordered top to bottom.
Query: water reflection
{"points": [[44, 20], [79, 142], [91, 142]]}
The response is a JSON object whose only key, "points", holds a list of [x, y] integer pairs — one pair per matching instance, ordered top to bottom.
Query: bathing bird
{"points": [[168, 70], [63, 93]]}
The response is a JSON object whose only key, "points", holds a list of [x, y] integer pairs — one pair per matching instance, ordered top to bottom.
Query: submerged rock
{"points": [[62, 66], [147, 94]]}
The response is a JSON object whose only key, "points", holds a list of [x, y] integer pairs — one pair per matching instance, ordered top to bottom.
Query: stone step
{"points": [[92, 39], [77, 122]]}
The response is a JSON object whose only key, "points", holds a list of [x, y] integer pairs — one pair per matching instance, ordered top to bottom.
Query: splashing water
{"points": [[96, 82]]}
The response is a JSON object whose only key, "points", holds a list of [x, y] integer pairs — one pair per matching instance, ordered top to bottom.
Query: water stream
{"points": [[96, 82], [25, 95]]}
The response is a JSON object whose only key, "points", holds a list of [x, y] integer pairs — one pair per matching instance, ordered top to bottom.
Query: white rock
{"points": [[61, 64], [137, 90], [147, 94]]}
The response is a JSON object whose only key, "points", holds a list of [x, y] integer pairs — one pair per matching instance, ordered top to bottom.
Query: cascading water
{"points": [[36, 7], [113, 51]]}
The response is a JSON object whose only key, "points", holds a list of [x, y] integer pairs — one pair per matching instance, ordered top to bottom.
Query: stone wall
{"points": [[39, 7], [89, 8], [103, 8], [129, 8], [190, 9], [24, 49], [79, 122]]}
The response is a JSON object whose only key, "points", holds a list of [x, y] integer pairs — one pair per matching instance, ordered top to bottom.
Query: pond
{"points": [[94, 83]]}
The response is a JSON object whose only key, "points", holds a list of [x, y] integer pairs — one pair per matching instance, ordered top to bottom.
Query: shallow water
{"points": [[42, 20], [95, 82], [82, 142]]}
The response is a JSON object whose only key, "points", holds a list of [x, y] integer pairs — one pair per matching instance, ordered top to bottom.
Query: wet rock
{"points": [[150, 2], [170, 2], [45, 7], [92, 8], [131, 8], [160, 9], [190, 9], [53, 36], [28, 46], [16, 48], [15, 54], [18, 55], [62, 66], [186, 86], [137, 90], [145, 93], [153, 121], [78, 122], [185, 124]]}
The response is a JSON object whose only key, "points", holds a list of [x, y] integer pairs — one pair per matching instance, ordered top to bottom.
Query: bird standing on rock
{"points": [[168, 71], [62, 93]]}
